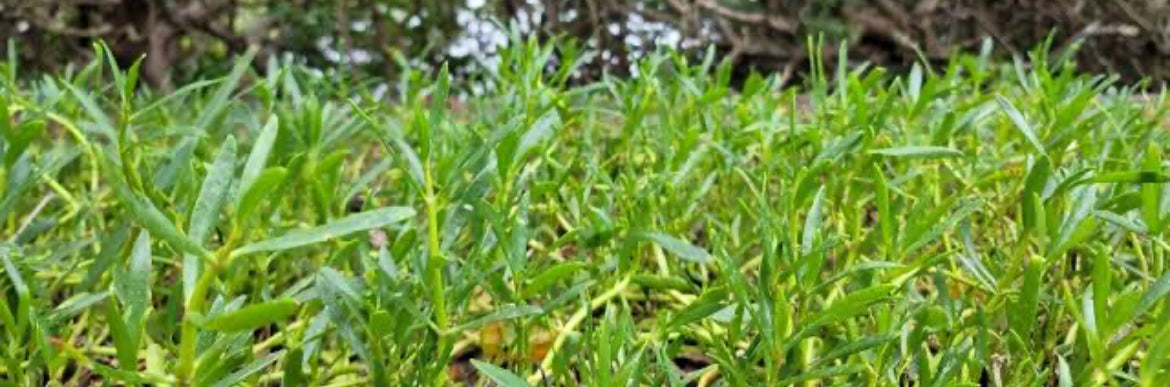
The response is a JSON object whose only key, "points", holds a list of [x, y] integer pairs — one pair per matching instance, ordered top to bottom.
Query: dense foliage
{"points": [[977, 224]]}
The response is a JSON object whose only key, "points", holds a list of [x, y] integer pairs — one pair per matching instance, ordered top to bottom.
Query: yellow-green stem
{"points": [[435, 264], [194, 305], [574, 321], [188, 336]]}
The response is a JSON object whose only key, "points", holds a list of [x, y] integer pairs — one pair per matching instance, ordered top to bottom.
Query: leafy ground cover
{"points": [[978, 224]]}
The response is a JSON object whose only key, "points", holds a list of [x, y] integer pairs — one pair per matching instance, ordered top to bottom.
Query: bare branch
{"points": [[776, 22]]}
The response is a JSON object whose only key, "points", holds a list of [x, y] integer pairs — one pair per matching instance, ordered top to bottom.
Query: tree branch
{"points": [[761, 18]]}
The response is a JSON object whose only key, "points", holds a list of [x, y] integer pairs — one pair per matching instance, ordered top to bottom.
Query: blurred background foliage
{"points": [[372, 39]]}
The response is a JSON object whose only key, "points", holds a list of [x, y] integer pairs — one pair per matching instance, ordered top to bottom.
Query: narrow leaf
{"points": [[219, 100], [1021, 123], [540, 130], [918, 152], [258, 158], [1132, 177], [1034, 185], [262, 189], [213, 191], [1152, 193], [1085, 199], [207, 207], [147, 216], [813, 222], [350, 224], [678, 247], [550, 276], [133, 287], [1153, 294], [709, 303], [75, 305], [1023, 312], [501, 314], [253, 316], [250, 369], [502, 377]]}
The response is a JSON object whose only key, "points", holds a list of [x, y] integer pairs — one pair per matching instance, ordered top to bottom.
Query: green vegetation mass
{"points": [[978, 224]]}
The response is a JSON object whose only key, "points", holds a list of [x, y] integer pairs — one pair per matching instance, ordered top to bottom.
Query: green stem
{"points": [[435, 263], [574, 321], [189, 332], [188, 336]]}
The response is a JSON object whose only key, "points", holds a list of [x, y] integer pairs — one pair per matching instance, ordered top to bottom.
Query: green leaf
{"points": [[102, 51], [131, 82], [177, 94], [440, 97], [211, 112], [5, 120], [103, 123], [1021, 123], [540, 130], [20, 137], [918, 152], [258, 158], [414, 164], [1133, 177], [367, 178], [20, 179], [1034, 186], [262, 189], [214, 190], [1152, 193], [1084, 200], [207, 206], [967, 207], [1040, 214], [147, 216], [885, 217], [1121, 221], [812, 222], [350, 224], [111, 246], [678, 247], [386, 262], [972, 262], [13, 273], [550, 276], [660, 282], [132, 287], [1153, 294], [712, 301], [853, 304], [75, 305], [1023, 311], [500, 314], [253, 316], [1090, 321], [42, 334], [855, 346], [127, 349], [1151, 372], [822, 373], [294, 374], [1063, 375], [126, 376], [502, 377], [236, 378]]}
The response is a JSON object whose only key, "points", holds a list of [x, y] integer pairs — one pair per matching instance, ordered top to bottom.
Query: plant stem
{"points": [[435, 264], [574, 321], [189, 332]]}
